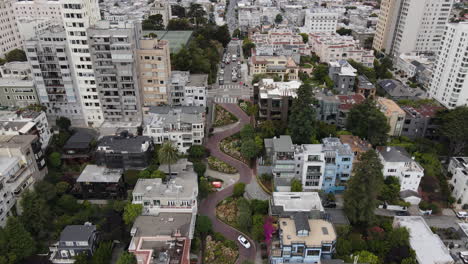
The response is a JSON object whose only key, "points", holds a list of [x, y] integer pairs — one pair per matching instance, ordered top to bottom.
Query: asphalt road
{"points": [[208, 205]]}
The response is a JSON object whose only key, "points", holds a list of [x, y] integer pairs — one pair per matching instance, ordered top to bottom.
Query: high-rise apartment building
{"points": [[38, 9], [78, 16], [320, 20], [411, 25], [9, 34], [113, 53], [154, 69], [52, 73], [449, 84]]}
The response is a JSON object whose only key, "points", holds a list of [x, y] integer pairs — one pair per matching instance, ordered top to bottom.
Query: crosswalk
{"points": [[230, 86], [225, 100]]}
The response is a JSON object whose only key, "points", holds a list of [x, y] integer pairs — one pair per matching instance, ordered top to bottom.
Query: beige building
{"points": [[386, 25], [10, 38], [284, 67], [154, 70], [395, 115]]}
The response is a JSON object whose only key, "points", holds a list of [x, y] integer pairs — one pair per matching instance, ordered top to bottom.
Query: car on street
{"points": [[234, 57], [238, 63], [223, 65], [221, 71], [239, 75], [234, 78], [221, 80], [329, 204], [462, 214], [243, 241], [464, 256]]}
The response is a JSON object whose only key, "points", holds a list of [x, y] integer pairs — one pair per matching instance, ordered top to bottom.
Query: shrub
{"points": [[55, 159], [199, 168], [239, 189]]}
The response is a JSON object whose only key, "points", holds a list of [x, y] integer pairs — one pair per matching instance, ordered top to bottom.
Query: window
{"points": [[391, 170], [69, 243]]}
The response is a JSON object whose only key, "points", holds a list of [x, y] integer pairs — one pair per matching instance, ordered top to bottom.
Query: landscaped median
{"points": [[223, 117], [220, 166]]}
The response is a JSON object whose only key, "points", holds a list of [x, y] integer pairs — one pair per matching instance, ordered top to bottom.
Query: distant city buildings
{"points": [[318, 20], [9, 32], [285, 67], [458, 168]]}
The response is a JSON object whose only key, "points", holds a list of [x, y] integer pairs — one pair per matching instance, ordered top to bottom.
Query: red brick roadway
{"points": [[208, 205]]}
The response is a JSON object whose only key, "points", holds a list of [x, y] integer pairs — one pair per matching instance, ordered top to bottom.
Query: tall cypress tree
{"points": [[302, 125], [360, 197]]}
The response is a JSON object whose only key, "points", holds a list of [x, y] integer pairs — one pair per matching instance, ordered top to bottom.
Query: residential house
{"points": [[280, 38], [411, 63], [282, 66], [343, 76], [365, 87], [187, 89], [397, 90], [17, 92], [275, 98], [347, 102], [334, 109], [394, 114], [420, 121], [26, 122], [183, 125], [21, 145], [78, 146], [358, 146], [124, 151], [398, 163], [338, 165], [458, 168], [99, 182], [285, 204], [161, 239], [74, 240], [302, 240], [428, 247]]}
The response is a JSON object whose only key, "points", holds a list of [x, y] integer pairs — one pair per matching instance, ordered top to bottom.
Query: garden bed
{"points": [[248, 107], [223, 117], [231, 146], [220, 166], [267, 181], [227, 211], [217, 251]]}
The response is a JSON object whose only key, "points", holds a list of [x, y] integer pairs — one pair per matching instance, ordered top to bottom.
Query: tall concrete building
{"points": [[38, 9], [78, 16], [411, 25], [10, 38], [113, 53], [51, 65], [154, 69], [449, 83]]}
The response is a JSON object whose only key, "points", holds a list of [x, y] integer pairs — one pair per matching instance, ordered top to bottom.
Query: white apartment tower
{"points": [[78, 16], [411, 25], [10, 38], [449, 84]]}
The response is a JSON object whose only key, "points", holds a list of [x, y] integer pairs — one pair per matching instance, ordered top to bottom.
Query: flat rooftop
{"points": [[176, 39], [6, 164], [94, 173], [297, 201], [164, 224], [320, 232], [428, 246]]}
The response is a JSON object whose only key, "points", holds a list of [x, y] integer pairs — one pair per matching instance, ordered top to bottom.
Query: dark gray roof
{"points": [[364, 83], [397, 89], [184, 109], [79, 140], [131, 144], [283, 144], [394, 154], [408, 193], [301, 221], [77, 232]]}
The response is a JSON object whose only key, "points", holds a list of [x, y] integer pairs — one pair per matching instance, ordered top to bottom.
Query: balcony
{"points": [[17, 175]]}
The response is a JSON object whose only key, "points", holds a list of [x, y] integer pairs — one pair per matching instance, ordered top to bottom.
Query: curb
{"points": [[265, 189]]}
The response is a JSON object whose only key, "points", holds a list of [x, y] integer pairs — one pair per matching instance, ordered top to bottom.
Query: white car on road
{"points": [[244, 242]]}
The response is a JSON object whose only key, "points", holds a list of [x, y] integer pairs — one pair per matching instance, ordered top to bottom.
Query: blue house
{"points": [[338, 164]]}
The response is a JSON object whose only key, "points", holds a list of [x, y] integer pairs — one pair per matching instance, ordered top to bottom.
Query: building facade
{"points": [[78, 16], [320, 20], [9, 32], [112, 48], [52, 66], [282, 66], [154, 70], [343, 76], [449, 85], [187, 89], [17, 93], [275, 98], [394, 114], [420, 121], [26, 122], [184, 126], [458, 167], [74, 240]]}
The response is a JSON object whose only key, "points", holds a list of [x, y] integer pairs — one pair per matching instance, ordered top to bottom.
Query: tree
{"points": [[178, 11], [196, 14], [278, 19], [154, 22], [179, 24], [344, 32], [236, 33], [222, 35], [305, 37], [247, 46], [16, 55], [320, 72], [367, 121], [63, 123], [302, 125], [453, 126], [267, 129], [247, 132], [249, 149], [197, 152], [168, 154], [55, 159], [200, 168], [157, 174], [296, 185], [62, 187], [204, 188], [239, 189], [360, 198], [131, 212], [36, 215], [203, 226], [19, 242], [103, 253], [367, 257], [127, 258], [81, 259]]}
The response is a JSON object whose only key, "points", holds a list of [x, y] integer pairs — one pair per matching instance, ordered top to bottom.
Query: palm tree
{"points": [[168, 154]]}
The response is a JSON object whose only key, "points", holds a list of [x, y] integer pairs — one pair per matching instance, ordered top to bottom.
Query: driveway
{"points": [[208, 205]]}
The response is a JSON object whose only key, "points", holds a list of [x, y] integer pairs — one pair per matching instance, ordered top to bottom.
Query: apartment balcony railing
{"points": [[17, 175]]}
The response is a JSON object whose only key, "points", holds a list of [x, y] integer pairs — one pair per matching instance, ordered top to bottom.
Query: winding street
{"points": [[208, 205]]}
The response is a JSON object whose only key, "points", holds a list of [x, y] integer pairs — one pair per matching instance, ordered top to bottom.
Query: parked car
{"points": [[234, 57], [238, 63], [223, 65], [221, 71], [239, 75], [234, 78], [221, 81], [329, 204], [402, 213], [462, 214], [243, 241], [464, 256]]}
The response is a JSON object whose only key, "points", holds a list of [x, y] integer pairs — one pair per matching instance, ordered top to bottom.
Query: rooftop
{"points": [[176, 38], [14, 82], [364, 83], [270, 88], [396, 89], [348, 101], [389, 107], [183, 109], [427, 110], [175, 115], [80, 140], [129, 144], [283, 144], [334, 144], [357, 144], [394, 154], [6, 164], [94, 173], [296, 201], [165, 224], [321, 231], [77, 232], [428, 246]]}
